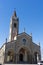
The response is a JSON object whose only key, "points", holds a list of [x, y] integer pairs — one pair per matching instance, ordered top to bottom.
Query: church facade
{"points": [[20, 48]]}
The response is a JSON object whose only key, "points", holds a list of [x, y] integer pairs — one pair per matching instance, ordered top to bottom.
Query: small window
{"points": [[15, 25], [24, 40]]}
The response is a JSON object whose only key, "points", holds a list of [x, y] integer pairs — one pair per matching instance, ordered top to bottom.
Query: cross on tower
{"points": [[24, 29]]}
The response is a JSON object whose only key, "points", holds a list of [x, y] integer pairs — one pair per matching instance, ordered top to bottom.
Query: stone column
{"points": [[25, 57], [37, 57], [16, 58]]}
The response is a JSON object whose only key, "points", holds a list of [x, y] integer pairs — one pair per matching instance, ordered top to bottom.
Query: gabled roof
{"points": [[24, 33]]}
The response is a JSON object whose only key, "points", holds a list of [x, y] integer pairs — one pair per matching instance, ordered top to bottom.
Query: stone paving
{"points": [[18, 64]]}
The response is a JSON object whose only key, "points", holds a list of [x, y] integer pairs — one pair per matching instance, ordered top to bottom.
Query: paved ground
{"points": [[20, 64]]}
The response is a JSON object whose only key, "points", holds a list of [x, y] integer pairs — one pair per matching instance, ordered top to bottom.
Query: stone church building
{"points": [[20, 48]]}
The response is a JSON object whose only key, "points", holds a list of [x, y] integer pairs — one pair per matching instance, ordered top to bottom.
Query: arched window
{"points": [[15, 25], [24, 41]]}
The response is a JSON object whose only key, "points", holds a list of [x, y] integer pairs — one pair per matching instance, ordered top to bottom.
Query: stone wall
{"points": [[2, 54]]}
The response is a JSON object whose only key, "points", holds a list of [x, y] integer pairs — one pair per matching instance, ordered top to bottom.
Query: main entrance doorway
{"points": [[24, 55], [21, 57]]}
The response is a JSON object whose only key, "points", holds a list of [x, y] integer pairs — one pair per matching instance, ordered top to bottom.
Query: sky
{"points": [[30, 13]]}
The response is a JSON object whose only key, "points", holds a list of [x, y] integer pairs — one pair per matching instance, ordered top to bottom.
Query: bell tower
{"points": [[14, 27]]}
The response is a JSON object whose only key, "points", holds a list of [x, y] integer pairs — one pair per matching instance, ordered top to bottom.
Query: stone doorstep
{"points": [[19, 64]]}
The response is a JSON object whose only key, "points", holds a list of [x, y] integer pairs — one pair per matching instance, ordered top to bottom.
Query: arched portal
{"points": [[21, 54], [24, 55], [10, 56], [36, 57]]}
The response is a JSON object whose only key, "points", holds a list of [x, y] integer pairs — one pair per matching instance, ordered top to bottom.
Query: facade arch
{"points": [[24, 54], [10, 55]]}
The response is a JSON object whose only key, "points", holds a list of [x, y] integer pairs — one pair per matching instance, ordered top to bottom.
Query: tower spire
{"points": [[15, 15]]}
